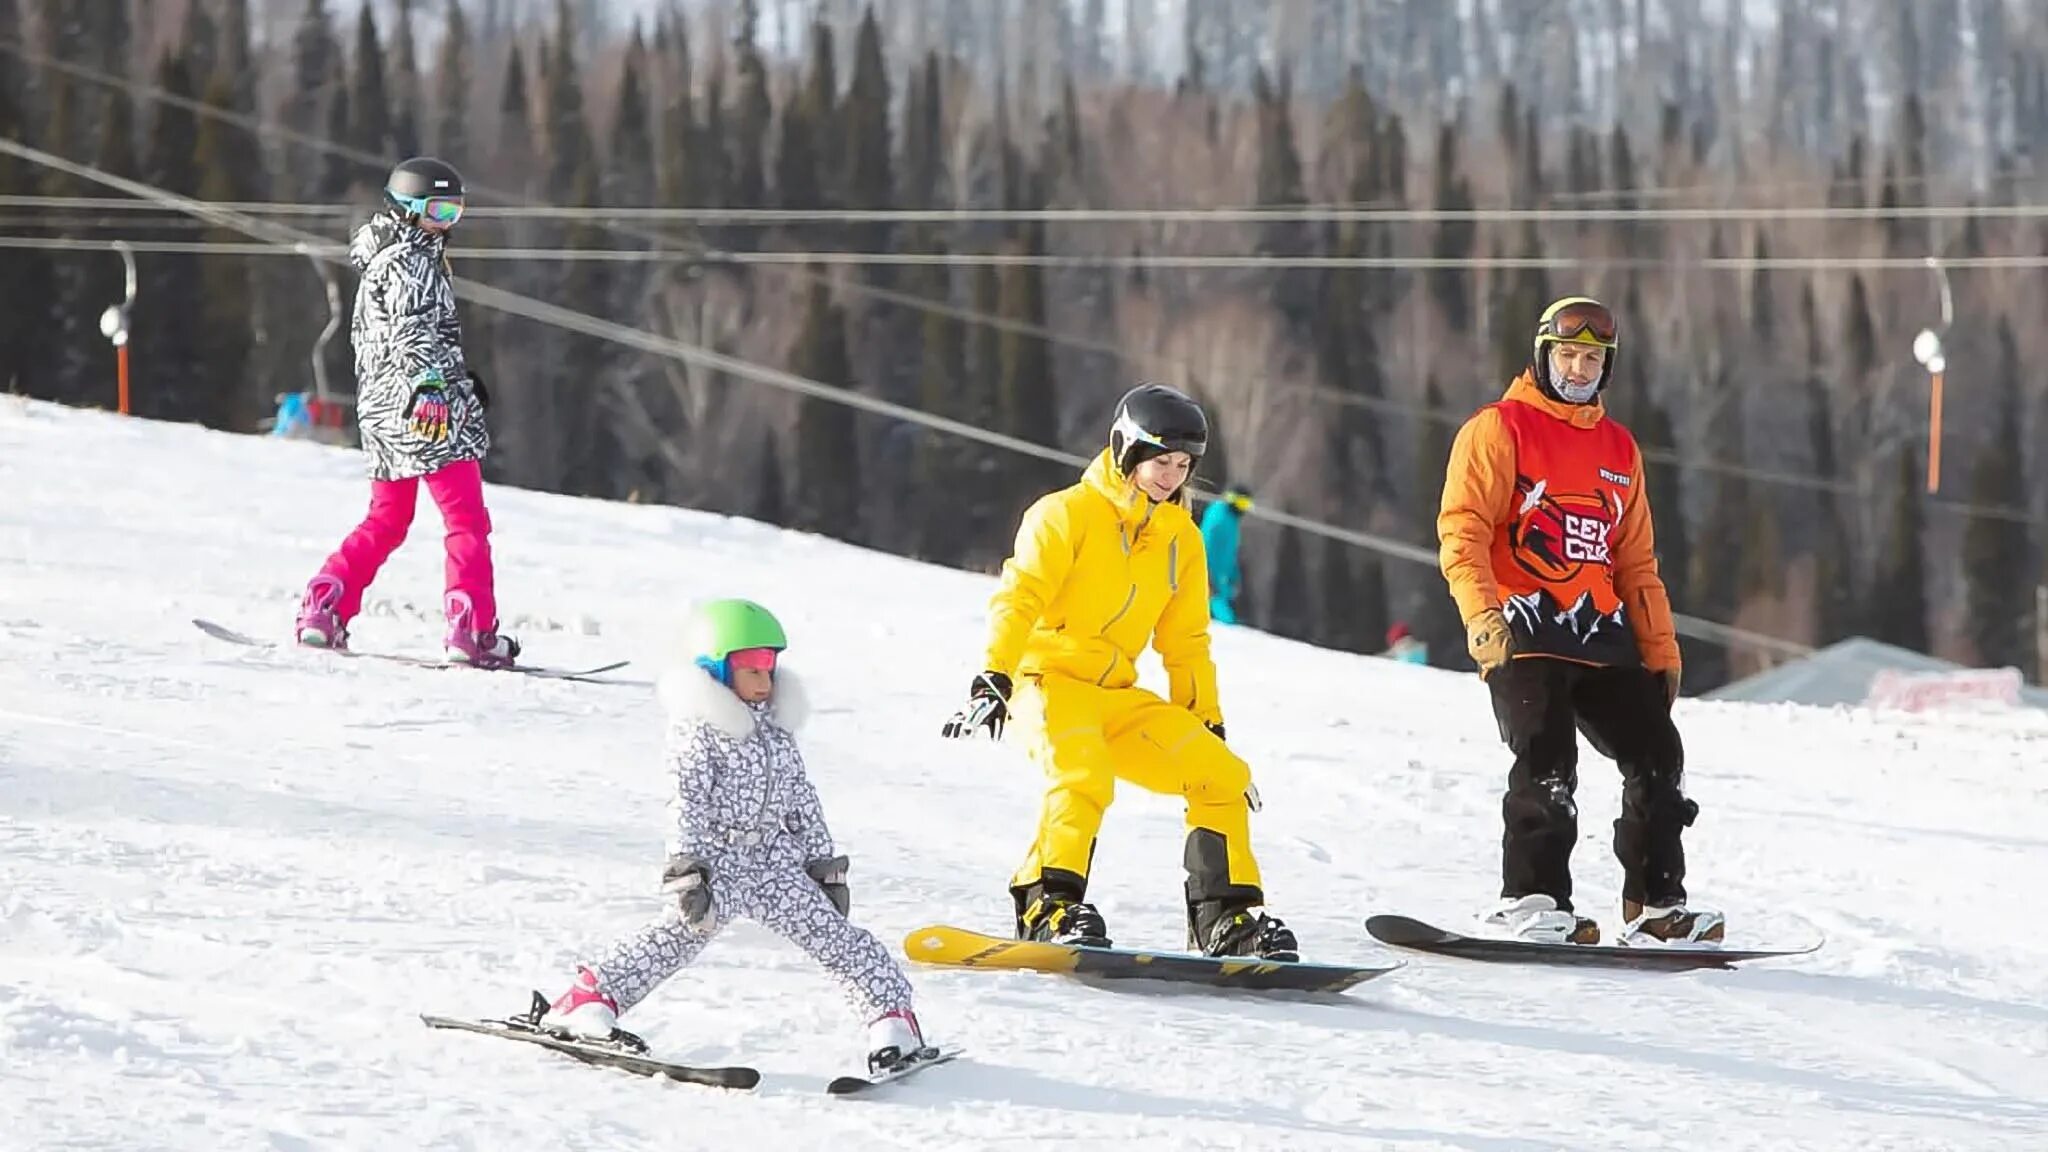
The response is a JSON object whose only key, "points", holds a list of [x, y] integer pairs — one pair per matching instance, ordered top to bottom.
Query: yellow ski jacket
{"points": [[1100, 569]]}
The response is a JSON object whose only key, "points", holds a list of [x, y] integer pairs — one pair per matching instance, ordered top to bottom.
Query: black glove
{"points": [[476, 387], [427, 411], [988, 707], [1217, 728], [830, 873], [687, 880]]}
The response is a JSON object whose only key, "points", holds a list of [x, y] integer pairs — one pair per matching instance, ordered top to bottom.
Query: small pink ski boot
{"points": [[319, 625], [465, 645], [584, 1011]]}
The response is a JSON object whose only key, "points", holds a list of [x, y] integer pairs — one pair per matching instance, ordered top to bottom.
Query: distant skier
{"points": [[420, 410], [1220, 521], [1547, 544], [1101, 569], [1405, 646], [747, 838]]}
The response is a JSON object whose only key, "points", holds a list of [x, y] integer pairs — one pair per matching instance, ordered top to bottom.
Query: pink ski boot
{"points": [[319, 626], [465, 645], [584, 1011]]}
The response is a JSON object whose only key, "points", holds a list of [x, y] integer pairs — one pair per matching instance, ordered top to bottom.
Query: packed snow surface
{"points": [[230, 879]]}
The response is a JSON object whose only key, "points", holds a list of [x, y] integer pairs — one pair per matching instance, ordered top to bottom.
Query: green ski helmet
{"points": [[719, 628]]}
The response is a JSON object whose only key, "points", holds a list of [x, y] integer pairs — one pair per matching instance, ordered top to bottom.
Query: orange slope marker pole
{"points": [[1934, 432]]}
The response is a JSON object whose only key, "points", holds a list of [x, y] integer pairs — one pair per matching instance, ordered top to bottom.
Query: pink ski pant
{"points": [[458, 490]]}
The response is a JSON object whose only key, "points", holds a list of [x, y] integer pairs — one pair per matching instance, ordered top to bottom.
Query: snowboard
{"points": [[584, 675], [1406, 932], [947, 946], [608, 1055], [918, 1061]]}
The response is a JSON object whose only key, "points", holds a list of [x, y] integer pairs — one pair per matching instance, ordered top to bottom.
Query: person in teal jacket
{"points": [[1219, 540]]}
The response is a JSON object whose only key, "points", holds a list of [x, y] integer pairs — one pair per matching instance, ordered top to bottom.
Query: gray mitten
{"points": [[830, 873], [687, 880]]}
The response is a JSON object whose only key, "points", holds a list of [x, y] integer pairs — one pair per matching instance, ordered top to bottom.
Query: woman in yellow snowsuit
{"points": [[1100, 569]]}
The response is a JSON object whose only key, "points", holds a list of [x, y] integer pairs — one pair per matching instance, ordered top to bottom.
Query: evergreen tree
{"points": [[316, 62], [452, 84], [405, 91], [369, 100], [752, 114], [515, 123], [567, 131], [677, 134], [923, 137], [338, 173], [628, 176], [721, 177], [868, 181], [1280, 183], [25, 275], [1451, 286], [227, 301], [169, 382], [1029, 395], [827, 455], [942, 470], [1663, 486], [771, 496], [1997, 557], [1834, 586], [1898, 601], [1354, 610], [1292, 612], [1434, 618]]}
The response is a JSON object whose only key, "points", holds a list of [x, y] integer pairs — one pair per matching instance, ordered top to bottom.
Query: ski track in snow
{"points": [[231, 878]]}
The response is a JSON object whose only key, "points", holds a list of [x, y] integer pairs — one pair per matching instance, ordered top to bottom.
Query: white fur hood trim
{"points": [[688, 693]]}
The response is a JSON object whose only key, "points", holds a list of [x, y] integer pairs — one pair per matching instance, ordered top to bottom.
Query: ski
{"points": [[592, 675], [1407, 932], [947, 946], [602, 1054], [918, 1061]]}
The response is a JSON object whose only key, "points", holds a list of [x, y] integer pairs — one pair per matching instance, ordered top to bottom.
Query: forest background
{"points": [[1754, 186]]}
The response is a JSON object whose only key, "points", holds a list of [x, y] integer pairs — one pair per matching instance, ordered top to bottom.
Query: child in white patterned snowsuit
{"points": [[748, 838]]}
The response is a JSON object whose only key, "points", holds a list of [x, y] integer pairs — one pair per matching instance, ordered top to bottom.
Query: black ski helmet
{"points": [[421, 178], [1152, 420]]}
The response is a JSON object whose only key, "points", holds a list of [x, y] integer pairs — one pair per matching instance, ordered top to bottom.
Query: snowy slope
{"points": [[229, 879]]}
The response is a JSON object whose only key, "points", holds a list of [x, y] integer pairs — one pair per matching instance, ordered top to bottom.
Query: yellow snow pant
{"points": [[1087, 737]]}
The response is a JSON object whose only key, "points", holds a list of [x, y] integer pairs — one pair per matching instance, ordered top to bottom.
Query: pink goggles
{"points": [[760, 659]]}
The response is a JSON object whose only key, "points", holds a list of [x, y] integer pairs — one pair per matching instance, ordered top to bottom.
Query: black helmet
{"points": [[420, 179], [1152, 420]]}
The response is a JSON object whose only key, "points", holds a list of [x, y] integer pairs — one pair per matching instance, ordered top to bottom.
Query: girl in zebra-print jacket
{"points": [[420, 411]]}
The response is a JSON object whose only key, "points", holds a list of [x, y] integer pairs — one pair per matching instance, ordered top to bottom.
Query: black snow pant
{"points": [[1542, 704]]}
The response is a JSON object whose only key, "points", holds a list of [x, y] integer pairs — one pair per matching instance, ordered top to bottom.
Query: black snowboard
{"points": [[1406, 932]]}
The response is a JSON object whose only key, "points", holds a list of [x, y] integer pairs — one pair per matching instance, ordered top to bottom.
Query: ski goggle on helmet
{"points": [[439, 210], [1578, 320], [728, 634]]}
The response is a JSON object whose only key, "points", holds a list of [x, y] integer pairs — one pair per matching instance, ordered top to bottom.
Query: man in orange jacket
{"points": [[1545, 538]]}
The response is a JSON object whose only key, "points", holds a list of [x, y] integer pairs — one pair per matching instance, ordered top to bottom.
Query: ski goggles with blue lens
{"points": [[442, 210]]}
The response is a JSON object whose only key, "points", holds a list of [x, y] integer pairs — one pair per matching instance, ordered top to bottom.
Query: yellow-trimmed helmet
{"points": [[1577, 320]]}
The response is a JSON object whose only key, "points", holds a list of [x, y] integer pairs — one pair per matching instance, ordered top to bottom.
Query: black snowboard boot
{"points": [[1058, 920], [1218, 929]]}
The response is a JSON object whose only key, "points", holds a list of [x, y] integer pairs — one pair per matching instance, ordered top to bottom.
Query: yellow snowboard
{"points": [[943, 945]]}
